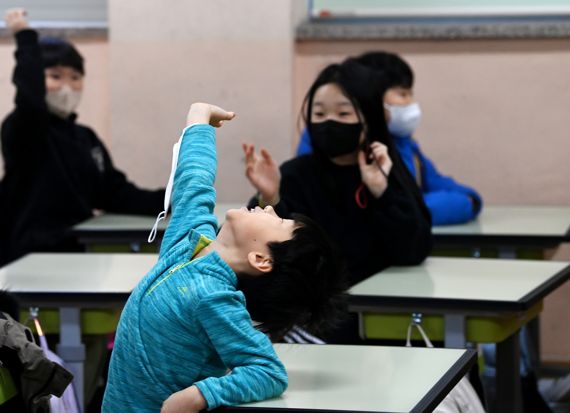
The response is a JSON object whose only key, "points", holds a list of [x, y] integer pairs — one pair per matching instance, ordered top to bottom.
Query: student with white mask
{"points": [[56, 171], [448, 201]]}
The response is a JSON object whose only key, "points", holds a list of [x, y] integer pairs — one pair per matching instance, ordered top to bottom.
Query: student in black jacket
{"points": [[56, 171], [354, 184]]}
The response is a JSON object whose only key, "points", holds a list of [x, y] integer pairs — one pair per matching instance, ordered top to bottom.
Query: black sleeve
{"points": [[28, 124], [121, 196], [401, 223]]}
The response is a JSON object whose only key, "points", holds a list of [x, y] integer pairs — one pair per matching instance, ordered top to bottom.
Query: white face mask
{"points": [[63, 102], [404, 119], [168, 191]]}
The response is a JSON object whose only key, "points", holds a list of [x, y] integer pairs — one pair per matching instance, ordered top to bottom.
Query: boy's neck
{"points": [[229, 255]]}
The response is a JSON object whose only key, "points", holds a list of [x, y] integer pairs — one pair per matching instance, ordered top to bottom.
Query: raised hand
{"points": [[16, 20], [205, 113], [263, 173], [375, 175]]}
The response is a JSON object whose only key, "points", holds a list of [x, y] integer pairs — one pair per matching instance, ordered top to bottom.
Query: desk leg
{"points": [[507, 253], [454, 330], [70, 347], [509, 395]]}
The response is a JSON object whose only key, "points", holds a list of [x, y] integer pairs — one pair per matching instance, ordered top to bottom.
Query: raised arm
{"points": [[23, 129], [193, 193]]}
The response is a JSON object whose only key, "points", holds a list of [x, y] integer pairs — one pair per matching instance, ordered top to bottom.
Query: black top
{"points": [[56, 171], [394, 229]]}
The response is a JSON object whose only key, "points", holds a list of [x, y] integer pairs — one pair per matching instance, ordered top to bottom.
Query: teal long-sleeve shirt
{"points": [[186, 323]]}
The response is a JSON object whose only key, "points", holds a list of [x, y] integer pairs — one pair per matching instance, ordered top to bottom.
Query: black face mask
{"points": [[335, 138]]}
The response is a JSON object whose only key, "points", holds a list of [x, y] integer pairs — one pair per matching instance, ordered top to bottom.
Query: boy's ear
{"points": [[260, 262]]}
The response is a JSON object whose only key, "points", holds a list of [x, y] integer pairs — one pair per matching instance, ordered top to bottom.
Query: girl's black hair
{"points": [[59, 52], [396, 70], [364, 88], [306, 286]]}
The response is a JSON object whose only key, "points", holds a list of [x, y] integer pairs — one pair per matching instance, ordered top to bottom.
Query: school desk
{"points": [[508, 228], [129, 229], [72, 282], [481, 300], [335, 378]]}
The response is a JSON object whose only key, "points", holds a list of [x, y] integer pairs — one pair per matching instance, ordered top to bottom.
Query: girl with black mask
{"points": [[354, 184]]}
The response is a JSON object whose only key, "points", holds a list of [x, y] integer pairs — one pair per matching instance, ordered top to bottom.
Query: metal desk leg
{"points": [[507, 252], [454, 330], [70, 347], [508, 385]]}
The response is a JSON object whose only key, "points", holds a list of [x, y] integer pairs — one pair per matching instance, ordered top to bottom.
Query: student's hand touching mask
{"points": [[16, 20], [204, 113], [263, 174], [375, 175]]}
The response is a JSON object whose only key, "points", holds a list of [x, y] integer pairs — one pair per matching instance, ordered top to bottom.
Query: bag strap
{"points": [[416, 322]]}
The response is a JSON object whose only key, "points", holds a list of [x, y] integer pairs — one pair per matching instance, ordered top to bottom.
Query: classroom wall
{"points": [[238, 55], [94, 108]]}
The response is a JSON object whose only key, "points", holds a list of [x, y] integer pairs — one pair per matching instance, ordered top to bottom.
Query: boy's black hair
{"points": [[59, 52], [397, 71], [306, 286]]}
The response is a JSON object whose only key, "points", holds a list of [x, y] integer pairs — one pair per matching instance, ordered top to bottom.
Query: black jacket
{"points": [[56, 171], [392, 230]]}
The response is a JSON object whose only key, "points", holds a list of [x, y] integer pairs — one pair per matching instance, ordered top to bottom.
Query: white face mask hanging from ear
{"points": [[63, 102], [404, 120], [168, 191]]}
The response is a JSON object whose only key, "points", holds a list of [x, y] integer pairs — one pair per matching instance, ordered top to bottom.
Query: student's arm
{"points": [[28, 123], [193, 193], [118, 194], [448, 201], [400, 221], [402, 225], [255, 371]]}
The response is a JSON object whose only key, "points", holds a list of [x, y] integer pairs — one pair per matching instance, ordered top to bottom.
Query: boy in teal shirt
{"points": [[186, 340]]}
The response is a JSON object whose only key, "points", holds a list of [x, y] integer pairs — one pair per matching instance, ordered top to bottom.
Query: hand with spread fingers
{"points": [[263, 173]]}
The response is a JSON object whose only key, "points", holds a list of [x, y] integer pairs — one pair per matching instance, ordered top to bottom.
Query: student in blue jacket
{"points": [[448, 201], [186, 341]]}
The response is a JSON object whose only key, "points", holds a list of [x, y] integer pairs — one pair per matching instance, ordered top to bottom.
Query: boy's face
{"points": [[58, 76], [399, 96], [252, 230]]}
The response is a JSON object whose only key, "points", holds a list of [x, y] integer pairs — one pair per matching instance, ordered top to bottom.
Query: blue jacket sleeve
{"points": [[305, 146], [193, 193], [448, 201], [256, 373]]}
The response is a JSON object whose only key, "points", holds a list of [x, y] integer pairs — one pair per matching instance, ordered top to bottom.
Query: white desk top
{"points": [[539, 221], [76, 273], [519, 282], [365, 378]]}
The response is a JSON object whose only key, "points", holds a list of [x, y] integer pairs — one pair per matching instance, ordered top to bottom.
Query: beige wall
{"points": [[238, 55], [94, 107]]}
